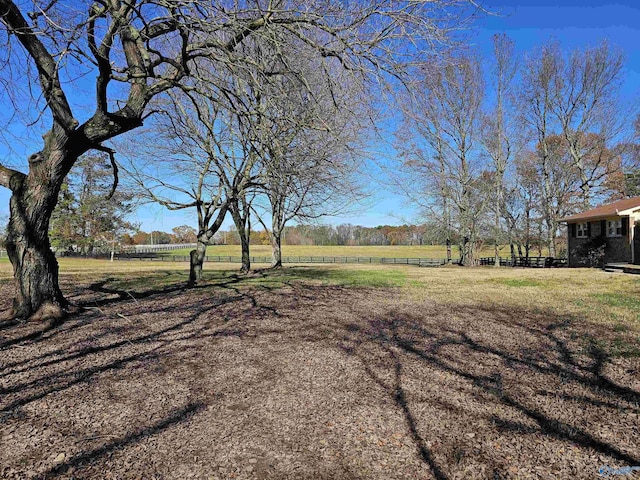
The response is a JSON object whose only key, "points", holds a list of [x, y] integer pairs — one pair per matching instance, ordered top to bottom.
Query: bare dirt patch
{"points": [[309, 381]]}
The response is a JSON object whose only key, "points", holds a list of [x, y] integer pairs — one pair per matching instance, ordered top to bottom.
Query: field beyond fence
{"points": [[420, 255], [285, 259]]}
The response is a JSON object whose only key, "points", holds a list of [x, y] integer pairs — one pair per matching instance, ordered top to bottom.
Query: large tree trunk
{"points": [[277, 225], [243, 226], [204, 236], [276, 249], [246, 255], [466, 257], [196, 261], [496, 262], [35, 268]]}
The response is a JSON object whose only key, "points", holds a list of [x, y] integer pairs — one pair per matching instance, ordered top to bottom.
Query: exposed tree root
{"points": [[48, 311], [8, 316]]}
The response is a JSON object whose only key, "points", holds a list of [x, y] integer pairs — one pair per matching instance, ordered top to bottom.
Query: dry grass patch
{"points": [[591, 294]]}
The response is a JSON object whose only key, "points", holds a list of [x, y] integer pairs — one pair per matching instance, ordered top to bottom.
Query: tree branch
{"points": [[47, 67], [114, 166], [11, 179]]}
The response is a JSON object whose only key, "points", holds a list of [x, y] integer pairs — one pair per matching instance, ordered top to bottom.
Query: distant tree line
{"points": [[318, 235], [354, 235]]}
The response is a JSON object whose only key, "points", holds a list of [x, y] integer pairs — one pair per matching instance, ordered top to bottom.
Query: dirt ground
{"points": [[309, 382]]}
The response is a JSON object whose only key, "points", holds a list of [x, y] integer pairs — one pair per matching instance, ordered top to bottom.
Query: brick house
{"points": [[607, 234]]}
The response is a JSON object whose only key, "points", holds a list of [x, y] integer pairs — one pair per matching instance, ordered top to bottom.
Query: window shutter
{"points": [[625, 226], [603, 228], [588, 229], [573, 230]]}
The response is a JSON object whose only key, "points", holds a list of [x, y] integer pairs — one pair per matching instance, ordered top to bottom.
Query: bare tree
{"points": [[137, 50], [538, 92], [571, 106], [587, 109], [444, 114], [499, 136], [308, 139], [203, 161], [431, 186]]}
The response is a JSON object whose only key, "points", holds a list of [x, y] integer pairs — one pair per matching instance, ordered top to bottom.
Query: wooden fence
{"points": [[422, 262], [527, 262]]}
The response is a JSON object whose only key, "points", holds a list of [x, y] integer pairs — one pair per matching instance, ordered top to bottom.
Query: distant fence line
{"points": [[157, 247], [124, 250], [285, 259], [527, 262]]}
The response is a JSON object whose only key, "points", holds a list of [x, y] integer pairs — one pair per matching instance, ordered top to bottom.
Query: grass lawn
{"points": [[590, 293], [331, 371]]}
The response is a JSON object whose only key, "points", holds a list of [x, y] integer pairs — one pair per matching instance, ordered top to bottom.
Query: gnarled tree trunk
{"points": [[240, 213], [277, 225], [205, 234], [196, 261], [35, 268]]}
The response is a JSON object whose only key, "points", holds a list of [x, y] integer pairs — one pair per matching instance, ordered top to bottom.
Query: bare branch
{"points": [[12, 18], [11, 179]]}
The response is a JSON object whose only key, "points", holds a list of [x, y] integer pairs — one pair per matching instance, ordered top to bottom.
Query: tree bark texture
{"points": [[240, 216], [277, 226], [205, 233], [276, 249], [246, 256], [196, 261], [35, 268]]}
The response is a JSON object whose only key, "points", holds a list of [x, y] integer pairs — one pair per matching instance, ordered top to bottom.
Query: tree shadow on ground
{"points": [[143, 288], [108, 295], [185, 315], [88, 346], [507, 379], [173, 418]]}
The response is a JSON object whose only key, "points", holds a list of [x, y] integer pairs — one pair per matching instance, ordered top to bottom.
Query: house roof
{"points": [[621, 208]]}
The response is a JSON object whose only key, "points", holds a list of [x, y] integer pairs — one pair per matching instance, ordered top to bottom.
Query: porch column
{"points": [[632, 231]]}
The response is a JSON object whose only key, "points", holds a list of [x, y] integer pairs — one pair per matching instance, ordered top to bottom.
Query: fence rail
{"points": [[157, 248], [151, 257], [528, 262]]}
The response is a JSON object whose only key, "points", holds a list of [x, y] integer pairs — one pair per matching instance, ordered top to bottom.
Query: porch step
{"points": [[622, 268]]}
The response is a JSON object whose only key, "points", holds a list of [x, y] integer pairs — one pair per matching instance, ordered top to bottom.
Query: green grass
{"points": [[344, 277], [519, 282], [630, 302], [623, 347]]}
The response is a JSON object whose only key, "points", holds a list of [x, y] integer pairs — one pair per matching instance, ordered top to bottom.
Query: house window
{"points": [[614, 228], [581, 230]]}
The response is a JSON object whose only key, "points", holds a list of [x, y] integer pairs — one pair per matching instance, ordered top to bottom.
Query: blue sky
{"points": [[529, 23]]}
